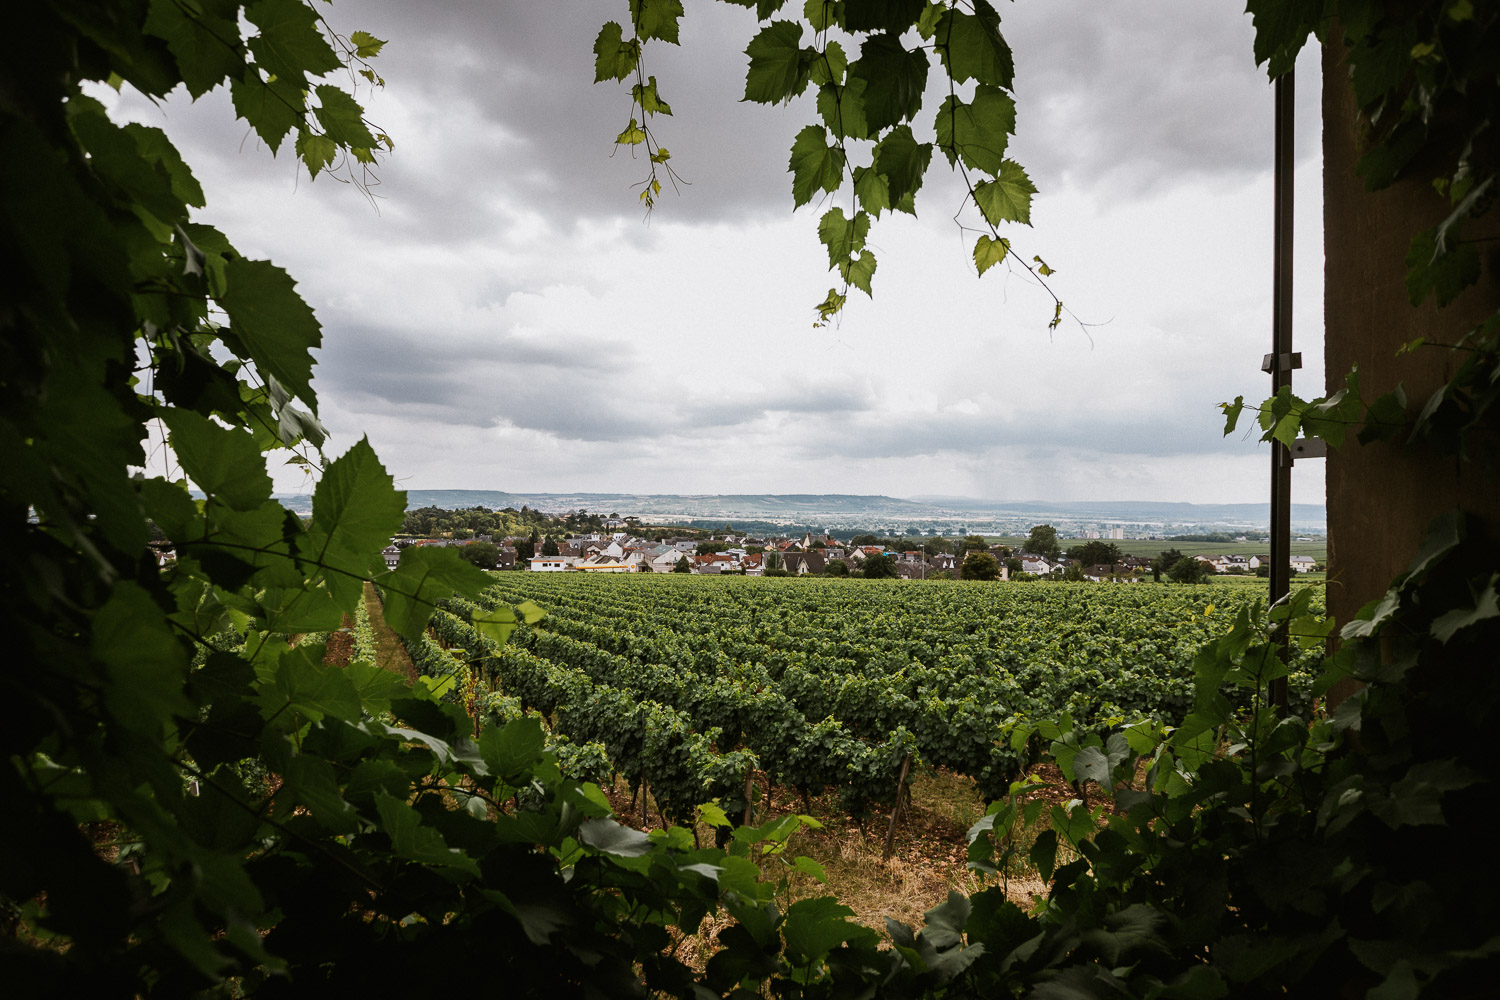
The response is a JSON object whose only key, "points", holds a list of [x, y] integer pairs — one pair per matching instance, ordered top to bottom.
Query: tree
{"points": [[1043, 541], [974, 543], [549, 547], [525, 550], [1095, 552], [482, 554], [773, 562], [1164, 562], [1013, 565], [682, 566], [980, 566], [836, 567], [880, 567], [1189, 569]]}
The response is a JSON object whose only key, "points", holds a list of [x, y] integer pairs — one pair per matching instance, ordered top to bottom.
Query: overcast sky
{"points": [[504, 317]]}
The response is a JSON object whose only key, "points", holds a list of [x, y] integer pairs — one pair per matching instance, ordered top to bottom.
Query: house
{"points": [[392, 556], [665, 561], [712, 562], [803, 563], [554, 564], [1303, 564], [1035, 565], [1111, 573]]}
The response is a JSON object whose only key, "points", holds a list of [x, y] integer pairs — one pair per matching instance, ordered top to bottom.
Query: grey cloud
{"points": [[527, 69], [1089, 114], [522, 127], [460, 381], [795, 396], [1126, 431]]}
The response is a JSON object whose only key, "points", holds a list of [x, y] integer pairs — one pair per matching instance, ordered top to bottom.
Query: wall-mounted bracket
{"points": [[1287, 362], [1309, 448]]}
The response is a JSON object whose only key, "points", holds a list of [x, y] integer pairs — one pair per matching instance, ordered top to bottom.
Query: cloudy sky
{"points": [[501, 315]]}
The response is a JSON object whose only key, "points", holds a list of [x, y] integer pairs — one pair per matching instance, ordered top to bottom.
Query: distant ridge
{"points": [[861, 510]]}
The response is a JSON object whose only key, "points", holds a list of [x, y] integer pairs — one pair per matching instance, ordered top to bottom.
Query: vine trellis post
{"points": [[1283, 360]]}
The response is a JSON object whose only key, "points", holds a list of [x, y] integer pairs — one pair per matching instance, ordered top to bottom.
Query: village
{"points": [[621, 551]]}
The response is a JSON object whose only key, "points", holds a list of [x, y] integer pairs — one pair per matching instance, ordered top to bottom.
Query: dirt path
{"points": [[390, 651]]}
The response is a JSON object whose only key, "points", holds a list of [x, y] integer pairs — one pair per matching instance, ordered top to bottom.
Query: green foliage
{"points": [[1426, 88], [872, 95], [1043, 541], [1094, 552], [481, 554], [980, 566], [879, 567], [1188, 569], [760, 662], [409, 824], [1263, 855]]}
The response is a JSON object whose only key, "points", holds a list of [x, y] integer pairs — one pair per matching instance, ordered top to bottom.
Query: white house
{"points": [[553, 564], [1035, 564], [1302, 564]]}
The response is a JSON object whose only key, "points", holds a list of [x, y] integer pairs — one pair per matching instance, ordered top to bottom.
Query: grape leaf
{"points": [[656, 18], [206, 44], [290, 44], [366, 45], [971, 47], [614, 58], [829, 65], [779, 67], [894, 79], [650, 101], [271, 107], [843, 109], [342, 118], [979, 131], [315, 150], [902, 161], [815, 166], [1007, 198], [842, 236], [989, 252], [859, 270], [273, 322], [222, 462], [356, 509], [424, 575], [411, 840]]}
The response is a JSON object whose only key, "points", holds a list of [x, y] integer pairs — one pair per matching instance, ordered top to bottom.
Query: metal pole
{"points": [[1281, 361]]}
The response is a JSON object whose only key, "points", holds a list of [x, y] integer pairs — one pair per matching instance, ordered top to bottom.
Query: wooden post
{"points": [[749, 806], [890, 832]]}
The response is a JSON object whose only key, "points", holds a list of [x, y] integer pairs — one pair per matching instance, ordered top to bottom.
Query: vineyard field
{"points": [[689, 684]]}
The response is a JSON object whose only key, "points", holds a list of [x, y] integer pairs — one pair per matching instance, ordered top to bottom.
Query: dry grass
{"points": [[928, 860]]}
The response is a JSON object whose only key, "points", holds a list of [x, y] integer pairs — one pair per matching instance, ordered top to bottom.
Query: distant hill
{"points": [[843, 510], [1135, 511]]}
